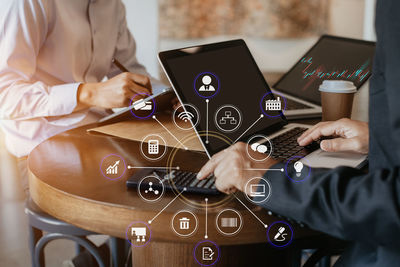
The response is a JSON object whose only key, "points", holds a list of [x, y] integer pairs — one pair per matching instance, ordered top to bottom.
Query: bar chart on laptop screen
{"points": [[329, 59], [313, 72]]}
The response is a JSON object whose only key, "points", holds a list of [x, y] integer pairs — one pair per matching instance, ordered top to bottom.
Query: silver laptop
{"points": [[330, 57]]}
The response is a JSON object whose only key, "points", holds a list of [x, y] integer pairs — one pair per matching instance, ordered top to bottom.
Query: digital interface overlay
{"points": [[330, 58]]}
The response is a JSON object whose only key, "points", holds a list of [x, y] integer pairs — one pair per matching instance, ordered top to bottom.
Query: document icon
{"points": [[207, 254]]}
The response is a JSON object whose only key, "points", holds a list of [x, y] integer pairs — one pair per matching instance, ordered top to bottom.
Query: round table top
{"points": [[66, 182]]}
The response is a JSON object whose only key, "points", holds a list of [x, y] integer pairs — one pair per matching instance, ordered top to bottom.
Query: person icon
{"points": [[206, 86]]}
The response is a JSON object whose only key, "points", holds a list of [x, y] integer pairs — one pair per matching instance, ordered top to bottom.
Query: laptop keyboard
{"points": [[293, 105], [285, 145], [186, 179]]}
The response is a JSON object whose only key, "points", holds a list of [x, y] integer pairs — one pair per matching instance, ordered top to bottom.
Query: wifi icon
{"points": [[185, 116]]}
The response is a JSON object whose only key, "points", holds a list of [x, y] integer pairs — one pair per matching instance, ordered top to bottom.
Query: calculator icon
{"points": [[153, 147]]}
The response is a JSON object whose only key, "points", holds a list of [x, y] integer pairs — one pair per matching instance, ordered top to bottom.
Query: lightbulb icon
{"points": [[298, 166]]}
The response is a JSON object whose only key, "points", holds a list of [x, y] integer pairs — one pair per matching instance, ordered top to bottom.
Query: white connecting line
{"points": [[207, 100], [261, 116], [154, 117], [147, 167], [256, 169], [150, 221], [264, 224], [206, 235]]}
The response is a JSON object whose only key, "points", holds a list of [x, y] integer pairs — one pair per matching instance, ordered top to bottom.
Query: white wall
{"points": [[142, 18], [347, 19], [369, 20]]}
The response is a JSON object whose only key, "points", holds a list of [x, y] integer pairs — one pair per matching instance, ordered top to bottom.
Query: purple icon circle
{"points": [[216, 91], [262, 105], [153, 109], [101, 165], [286, 169], [291, 236], [129, 240], [206, 241]]}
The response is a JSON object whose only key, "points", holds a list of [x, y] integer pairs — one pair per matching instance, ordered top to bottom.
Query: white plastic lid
{"points": [[335, 86]]}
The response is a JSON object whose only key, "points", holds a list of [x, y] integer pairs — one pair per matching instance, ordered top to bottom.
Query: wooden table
{"points": [[65, 181]]}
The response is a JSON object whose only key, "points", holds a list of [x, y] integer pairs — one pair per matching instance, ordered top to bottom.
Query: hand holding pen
{"points": [[116, 92]]}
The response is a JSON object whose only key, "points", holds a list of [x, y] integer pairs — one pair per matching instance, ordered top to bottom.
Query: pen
{"points": [[119, 65]]}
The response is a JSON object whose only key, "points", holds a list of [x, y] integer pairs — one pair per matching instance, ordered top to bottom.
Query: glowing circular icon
{"points": [[206, 85], [273, 107], [142, 109], [186, 117], [228, 118], [153, 147], [259, 148], [175, 158], [113, 166], [296, 169], [150, 188], [257, 190], [229, 222], [184, 223], [138, 234], [280, 234], [206, 253]]}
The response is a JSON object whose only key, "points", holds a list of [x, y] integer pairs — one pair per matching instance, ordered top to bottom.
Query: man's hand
{"points": [[116, 92], [352, 136], [231, 168]]}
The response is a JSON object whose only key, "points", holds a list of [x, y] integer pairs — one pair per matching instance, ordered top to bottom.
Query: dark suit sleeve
{"points": [[389, 53], [342, 202]]}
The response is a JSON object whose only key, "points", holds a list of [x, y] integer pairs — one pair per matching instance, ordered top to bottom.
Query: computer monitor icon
{"points": [[257, 190]]}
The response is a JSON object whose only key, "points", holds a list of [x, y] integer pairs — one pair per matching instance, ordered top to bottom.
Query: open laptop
{"points": [[331, 57], [234, 80]]}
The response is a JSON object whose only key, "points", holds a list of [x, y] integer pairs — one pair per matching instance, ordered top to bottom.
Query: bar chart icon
{"points": [[113, 169]]}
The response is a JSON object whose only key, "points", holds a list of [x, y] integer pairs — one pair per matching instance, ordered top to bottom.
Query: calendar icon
{"points": [[153, 147]]}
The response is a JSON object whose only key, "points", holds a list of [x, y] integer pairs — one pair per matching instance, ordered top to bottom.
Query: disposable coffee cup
{"points": [[337, 99]]}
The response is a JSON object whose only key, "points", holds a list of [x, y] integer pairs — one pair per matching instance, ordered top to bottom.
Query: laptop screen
{"points": [[331, 58], [226, 75]]}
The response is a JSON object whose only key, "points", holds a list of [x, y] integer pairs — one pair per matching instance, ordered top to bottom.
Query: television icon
{"points": [[257, 190]]}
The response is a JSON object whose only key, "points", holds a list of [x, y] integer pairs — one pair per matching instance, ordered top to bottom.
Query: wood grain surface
{"points": [[66, 182]]}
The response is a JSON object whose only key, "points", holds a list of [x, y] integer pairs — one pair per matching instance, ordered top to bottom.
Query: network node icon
{"points": [[228, 118], [150, 188], [156, 192]]}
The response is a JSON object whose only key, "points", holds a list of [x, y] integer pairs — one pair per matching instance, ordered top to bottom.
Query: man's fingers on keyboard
{"points": [[318, 131], [301, 138], [210, 165], [208, 168]]}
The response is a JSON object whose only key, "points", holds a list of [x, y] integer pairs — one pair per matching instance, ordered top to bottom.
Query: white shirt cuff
{"points": [[63, 99]]}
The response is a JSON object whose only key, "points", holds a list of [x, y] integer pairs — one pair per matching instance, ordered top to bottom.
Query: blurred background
{"points": [[276, 31]]}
